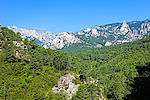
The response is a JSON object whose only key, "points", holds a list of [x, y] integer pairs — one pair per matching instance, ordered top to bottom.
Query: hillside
{"points": [[97, 36], [117, 63], [29, 71]]}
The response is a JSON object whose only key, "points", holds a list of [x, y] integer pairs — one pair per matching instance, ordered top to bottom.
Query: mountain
{"points": [[113, 34], [97, 36], [44, 37], [29, 71]]}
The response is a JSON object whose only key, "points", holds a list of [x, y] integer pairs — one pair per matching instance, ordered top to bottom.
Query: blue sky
{"points": [[70, 15]]}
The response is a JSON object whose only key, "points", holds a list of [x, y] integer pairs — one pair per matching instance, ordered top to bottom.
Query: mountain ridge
{"points": [[96, 36]]}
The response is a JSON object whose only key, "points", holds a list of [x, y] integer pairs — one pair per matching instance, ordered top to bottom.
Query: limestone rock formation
{"points": [[125, 28], [87, 30], [94, 32], [44, 36], [90, 37], [64, 39], [108, 43], [20, 44], [19, 53], [66, 85]]}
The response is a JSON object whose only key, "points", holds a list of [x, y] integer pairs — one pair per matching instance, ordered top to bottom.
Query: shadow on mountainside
{"points": [[142, 85]]}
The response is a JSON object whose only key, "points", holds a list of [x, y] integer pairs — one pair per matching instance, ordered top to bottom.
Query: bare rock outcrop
{"points": [[125, 28], [108, 43], [20, 44], [66, 85]]}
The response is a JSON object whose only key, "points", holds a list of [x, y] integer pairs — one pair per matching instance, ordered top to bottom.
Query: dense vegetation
{"points": [[119, 66], [30, 73]]}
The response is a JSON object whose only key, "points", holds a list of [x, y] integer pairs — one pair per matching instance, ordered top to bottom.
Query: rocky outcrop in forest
{"points": [[66, 85]]}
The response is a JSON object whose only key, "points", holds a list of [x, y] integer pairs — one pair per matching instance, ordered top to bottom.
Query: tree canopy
{"points": [[30, 73]]}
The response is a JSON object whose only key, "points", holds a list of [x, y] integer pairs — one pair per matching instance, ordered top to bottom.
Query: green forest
{"points": [[29, 71]]}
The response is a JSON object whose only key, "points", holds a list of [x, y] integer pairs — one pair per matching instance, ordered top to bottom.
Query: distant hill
{"points": [[97, 36]]}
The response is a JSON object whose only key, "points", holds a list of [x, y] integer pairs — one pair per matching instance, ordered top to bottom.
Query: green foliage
{"points": [[9, 34], [19, 36], [116, 67], [30, 74], [33, 74], [86, 92]]}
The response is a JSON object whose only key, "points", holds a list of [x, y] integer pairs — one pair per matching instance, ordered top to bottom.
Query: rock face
{"points": [[125, 28], [95, 32], [43, 36], [96, 36], [64, 39], [108, 43], [20, 44], [19, 53], [66, 85]]}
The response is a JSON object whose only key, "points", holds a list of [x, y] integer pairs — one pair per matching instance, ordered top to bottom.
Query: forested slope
{"points": [[119, 66], [29, 72]]}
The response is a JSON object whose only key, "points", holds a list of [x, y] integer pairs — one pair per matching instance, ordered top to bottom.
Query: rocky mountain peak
{"points": [[124, 22], [124, 25], [125, 28], [87, 30], [95, 36]]}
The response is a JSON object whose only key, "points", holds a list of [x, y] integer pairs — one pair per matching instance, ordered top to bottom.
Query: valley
{"points": [[29, 71]]}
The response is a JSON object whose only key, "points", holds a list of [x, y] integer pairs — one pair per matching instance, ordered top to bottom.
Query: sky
{"points": [[70, 15]]}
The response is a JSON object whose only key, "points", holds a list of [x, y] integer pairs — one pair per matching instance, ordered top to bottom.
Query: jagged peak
{"points": [[124, 22], [125, 28], [59, 40]]}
